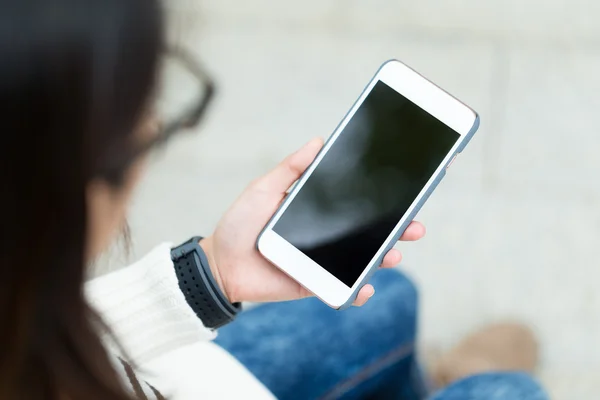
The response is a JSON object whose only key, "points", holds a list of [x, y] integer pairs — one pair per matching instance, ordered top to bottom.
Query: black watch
{"points": [[199, 287]]}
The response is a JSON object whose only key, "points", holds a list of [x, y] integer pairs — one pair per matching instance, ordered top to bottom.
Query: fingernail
{"points": [[313, 142], [306, 145], [372, 293]]}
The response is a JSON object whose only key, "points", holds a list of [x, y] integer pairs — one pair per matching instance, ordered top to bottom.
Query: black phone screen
{"points": [[365, 183]]}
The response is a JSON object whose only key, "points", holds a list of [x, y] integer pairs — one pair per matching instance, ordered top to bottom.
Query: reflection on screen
{"points": [[365, 183]]}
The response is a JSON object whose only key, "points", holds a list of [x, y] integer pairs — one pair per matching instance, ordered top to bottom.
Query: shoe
{"points": [[498, 347]]}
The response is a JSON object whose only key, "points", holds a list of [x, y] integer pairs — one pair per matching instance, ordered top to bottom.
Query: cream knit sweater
{"points": [[163, 337]]}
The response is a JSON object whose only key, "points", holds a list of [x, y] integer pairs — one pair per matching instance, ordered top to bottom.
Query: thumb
{"points": [[289, 170]]}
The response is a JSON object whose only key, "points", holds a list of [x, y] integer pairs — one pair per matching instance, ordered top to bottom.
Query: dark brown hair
{"points": [[75, 78]]}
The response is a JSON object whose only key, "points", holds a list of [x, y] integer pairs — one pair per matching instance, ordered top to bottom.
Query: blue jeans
{"points": [[305, 350]]}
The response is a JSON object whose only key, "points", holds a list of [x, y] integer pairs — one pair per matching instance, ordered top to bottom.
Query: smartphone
{"points": [[367, 184]]}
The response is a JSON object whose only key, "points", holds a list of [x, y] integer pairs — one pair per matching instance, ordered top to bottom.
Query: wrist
{"points": [[207, 246]]}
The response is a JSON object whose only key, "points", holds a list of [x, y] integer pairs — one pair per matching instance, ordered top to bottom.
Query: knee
{"points": [[395, 283], [395, 292], [495, 386]]}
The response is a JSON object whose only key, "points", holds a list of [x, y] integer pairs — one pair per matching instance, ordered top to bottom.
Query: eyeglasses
{"points": [[184, 92]]}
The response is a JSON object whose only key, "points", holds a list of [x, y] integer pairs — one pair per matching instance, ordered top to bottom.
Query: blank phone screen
{"points": [[365, 183]]}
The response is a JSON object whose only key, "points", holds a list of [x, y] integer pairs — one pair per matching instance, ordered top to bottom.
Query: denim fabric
{"points": [[305, 350], [494, 386]]}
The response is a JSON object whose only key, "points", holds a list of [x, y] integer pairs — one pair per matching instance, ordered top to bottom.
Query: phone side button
{"points": [[451, 161]]}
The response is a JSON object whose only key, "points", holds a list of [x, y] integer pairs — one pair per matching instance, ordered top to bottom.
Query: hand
{"points": [[240, 270]]}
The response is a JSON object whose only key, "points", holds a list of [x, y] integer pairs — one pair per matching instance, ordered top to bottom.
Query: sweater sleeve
{"points": [[145, 308]]}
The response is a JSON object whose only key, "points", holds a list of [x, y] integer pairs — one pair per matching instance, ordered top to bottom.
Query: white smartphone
{"points": [[367, 184]]}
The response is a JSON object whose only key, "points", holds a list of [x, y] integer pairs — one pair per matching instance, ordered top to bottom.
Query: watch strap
{"points": [[199, 286]]}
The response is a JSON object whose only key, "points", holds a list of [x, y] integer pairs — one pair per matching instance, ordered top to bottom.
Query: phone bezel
{"points": [[425, 94]]}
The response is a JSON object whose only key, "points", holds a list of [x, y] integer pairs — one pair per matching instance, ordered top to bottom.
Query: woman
{"points": [[78, 80]]}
